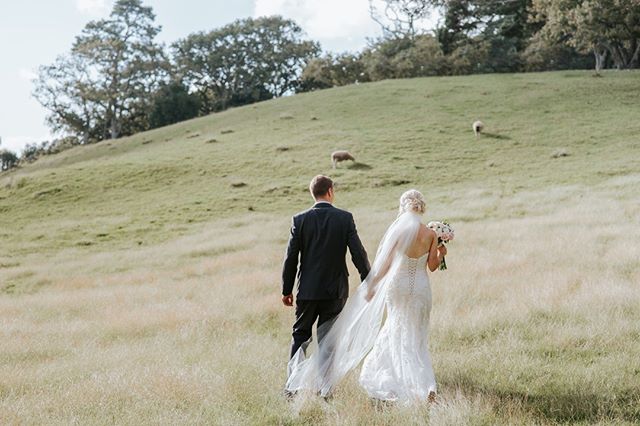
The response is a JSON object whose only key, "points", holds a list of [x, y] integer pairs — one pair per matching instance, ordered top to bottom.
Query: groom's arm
{"points": [[358, 253], [290, 266]]}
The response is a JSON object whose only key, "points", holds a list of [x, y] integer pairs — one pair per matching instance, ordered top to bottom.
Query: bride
{"points": [[397, 365]]}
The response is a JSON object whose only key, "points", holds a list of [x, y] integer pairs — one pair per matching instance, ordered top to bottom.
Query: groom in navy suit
{"points": [[315, 256]]}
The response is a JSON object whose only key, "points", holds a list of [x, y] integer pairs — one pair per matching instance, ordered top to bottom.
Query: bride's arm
{"points": [[434, 259]]}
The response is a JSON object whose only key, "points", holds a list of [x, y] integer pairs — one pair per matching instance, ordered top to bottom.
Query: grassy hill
{"points": [[403, 133], [139, 277]]}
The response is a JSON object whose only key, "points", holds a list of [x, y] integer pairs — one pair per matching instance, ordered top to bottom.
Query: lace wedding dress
{"points": [[397, 365], [398, 368]]}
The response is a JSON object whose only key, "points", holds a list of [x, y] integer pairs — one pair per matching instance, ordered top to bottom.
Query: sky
{"points": [[34, 32]]}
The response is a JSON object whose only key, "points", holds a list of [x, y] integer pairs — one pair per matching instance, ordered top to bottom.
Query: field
{"points": [[139, 278]]}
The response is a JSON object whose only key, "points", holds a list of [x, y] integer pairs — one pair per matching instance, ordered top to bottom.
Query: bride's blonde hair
{"points": [[412, 201]]}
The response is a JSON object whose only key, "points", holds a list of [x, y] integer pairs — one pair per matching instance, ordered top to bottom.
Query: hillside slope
{"points": [[260, 157]]}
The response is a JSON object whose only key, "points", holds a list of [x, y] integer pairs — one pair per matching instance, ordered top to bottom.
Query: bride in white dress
{"points": [[397, 364]]}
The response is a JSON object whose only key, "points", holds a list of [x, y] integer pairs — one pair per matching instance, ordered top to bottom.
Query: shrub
{"points": [[404, 58], [8, 159]]}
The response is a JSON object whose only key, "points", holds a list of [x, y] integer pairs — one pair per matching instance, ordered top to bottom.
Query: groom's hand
{"points": [[287, 300]]}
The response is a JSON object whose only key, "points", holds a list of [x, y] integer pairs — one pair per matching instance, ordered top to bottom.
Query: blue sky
{"points": [[34, 32]]}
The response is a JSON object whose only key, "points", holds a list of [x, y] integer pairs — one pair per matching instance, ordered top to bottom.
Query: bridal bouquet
{"points": [[445, 233]]}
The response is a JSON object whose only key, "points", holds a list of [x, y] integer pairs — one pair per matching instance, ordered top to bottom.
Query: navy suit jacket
{"points": [[316, 254]]}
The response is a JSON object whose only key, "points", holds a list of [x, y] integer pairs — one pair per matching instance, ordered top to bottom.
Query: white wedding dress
{"points": [[397, 366]]}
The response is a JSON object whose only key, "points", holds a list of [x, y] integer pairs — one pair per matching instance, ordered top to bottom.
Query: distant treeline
{"points": [[118, 80]]}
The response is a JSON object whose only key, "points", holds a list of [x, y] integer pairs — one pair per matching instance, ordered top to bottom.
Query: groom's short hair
{"points": [[320, 185]]}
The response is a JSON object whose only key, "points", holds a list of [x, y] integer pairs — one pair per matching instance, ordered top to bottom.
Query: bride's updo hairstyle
{"points": [[412, 201]]}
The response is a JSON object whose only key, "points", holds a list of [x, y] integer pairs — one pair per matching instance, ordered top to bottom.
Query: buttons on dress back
{"points": [[412, 266]]}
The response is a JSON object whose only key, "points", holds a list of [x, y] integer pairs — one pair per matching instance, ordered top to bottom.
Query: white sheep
{"points": [[477, 127], [338, 156]]}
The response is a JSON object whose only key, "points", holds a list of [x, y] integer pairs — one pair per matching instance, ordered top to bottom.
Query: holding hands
{"points": [[370, 294]]}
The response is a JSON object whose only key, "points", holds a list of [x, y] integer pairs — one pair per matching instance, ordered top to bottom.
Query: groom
{"points": [[320, 237]]}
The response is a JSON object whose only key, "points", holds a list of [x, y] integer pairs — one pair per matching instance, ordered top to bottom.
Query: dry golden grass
{"points": [[139, 283], [535, 322]]}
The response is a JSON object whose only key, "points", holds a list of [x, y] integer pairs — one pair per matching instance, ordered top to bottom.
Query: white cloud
{"points": [[92, 7], [337, 24]]}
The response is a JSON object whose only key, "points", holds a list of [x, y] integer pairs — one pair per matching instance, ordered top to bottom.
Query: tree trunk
{"points": [[600, 57], [618, 57], [633, 63], [113, 128]]}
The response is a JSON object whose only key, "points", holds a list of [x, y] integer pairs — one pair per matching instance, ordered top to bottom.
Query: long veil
{"points": [[347, 340]]}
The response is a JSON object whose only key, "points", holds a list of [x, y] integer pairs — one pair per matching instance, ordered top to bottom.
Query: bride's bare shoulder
{"points": [[424, 229], [426, 234]]}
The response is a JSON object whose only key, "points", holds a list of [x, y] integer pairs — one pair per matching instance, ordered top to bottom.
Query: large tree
{"points": [[499, 27], [607, 28], [246, 61], [127, 62], [102, 88], [66, 89]]}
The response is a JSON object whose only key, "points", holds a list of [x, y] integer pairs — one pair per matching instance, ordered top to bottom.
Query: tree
{"points": [[400, 18], [458, 25], [502, 27], [603, 27], [285, 54], [542, 55], [379, 56], [472, 57], [404, 58], [246, 61], [126, 64], [329, 71], [317, 74], [102, 88], [66, 90], [173, 103], [31, 152], [8, 159]]}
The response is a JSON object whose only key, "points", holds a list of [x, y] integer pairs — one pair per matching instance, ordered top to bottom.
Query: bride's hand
{"points": [[442, 250], [369, 295]]}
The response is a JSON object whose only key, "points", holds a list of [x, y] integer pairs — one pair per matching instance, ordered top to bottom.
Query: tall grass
{"points": [[136, 287], [536, 321]]}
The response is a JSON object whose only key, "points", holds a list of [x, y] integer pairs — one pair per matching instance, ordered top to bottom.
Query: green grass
{"points": [[157, 185], [139, 278]]}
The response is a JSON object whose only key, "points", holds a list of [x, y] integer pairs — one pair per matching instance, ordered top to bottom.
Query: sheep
{"points": [[477, 127], [339, 156]]}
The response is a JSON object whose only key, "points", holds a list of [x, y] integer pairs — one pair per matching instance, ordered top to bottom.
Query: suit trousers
{"points": [[307, 312]]}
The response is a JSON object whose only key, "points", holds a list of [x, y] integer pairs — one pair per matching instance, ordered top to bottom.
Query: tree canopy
{"points": [[246, 61], [117, 79]]}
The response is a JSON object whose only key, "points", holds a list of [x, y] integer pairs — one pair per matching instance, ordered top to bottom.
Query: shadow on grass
{"points": [[495, 136], [359, 166], [390, 182], [561, 406]]}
